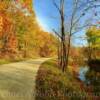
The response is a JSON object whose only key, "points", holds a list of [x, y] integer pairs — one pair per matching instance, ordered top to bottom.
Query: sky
{"points": [[45, 11], [47, 14], [48, 17]]}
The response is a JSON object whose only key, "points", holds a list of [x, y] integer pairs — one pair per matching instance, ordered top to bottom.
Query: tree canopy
{"points": [[20, 33]]}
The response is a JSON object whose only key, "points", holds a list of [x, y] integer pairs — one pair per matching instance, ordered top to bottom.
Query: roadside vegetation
{"points": [[3, 61], [7, 61], [53, 84]]}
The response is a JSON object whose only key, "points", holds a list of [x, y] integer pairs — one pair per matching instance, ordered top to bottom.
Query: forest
{"points": [[20, 34], [30, 54]]}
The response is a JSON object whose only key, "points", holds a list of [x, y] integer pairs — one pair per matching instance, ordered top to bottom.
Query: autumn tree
{"points": [[20, 33], [7, 38], [93, 38]]}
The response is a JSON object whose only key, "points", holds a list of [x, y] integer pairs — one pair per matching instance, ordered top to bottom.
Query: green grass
{"points": [[10, 60], [3, 61], [7, 61], [53, 84]]}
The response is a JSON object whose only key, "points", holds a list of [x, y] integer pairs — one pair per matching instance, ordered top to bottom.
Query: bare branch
{"points": [[86, 3], [57, 7], [83, 13], [73, 14], [81, 28], [56, 33]]}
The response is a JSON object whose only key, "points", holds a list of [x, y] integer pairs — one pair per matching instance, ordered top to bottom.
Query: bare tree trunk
{"points": [[68, 50], [58, 52], [90, 53], [61, 55], [63, 58]]}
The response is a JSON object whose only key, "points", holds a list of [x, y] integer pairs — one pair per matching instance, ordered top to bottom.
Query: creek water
{"points": [[82, 74], [93, 80]]}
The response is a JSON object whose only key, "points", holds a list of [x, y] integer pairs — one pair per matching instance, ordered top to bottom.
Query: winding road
{"points": [[18, 80]]}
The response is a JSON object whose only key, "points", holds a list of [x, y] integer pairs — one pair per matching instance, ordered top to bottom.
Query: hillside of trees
{"points": [[20, 34]]}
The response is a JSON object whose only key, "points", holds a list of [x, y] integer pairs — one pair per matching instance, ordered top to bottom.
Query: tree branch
{"points": [[57, 7], [83, 13], [81, 28], [56, 33]]}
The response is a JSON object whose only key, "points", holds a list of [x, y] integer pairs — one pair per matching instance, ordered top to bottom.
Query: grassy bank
{"points": [[10, 60], [3, 61], [7, 61], [53, 84]]}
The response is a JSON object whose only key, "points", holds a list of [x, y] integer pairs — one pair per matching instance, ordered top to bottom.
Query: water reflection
{"points": [[82, 73], [90, 78]]}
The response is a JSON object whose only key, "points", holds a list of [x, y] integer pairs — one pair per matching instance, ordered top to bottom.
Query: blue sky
{"points": [[45, 11], [47, 14], [48, 17]]}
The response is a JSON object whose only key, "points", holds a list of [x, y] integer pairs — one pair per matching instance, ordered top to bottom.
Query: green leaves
{"points": [[93, 35], [93, 38]]}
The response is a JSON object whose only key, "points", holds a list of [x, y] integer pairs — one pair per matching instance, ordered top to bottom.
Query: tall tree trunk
{"points": [[68, 51], [63, 57]]}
